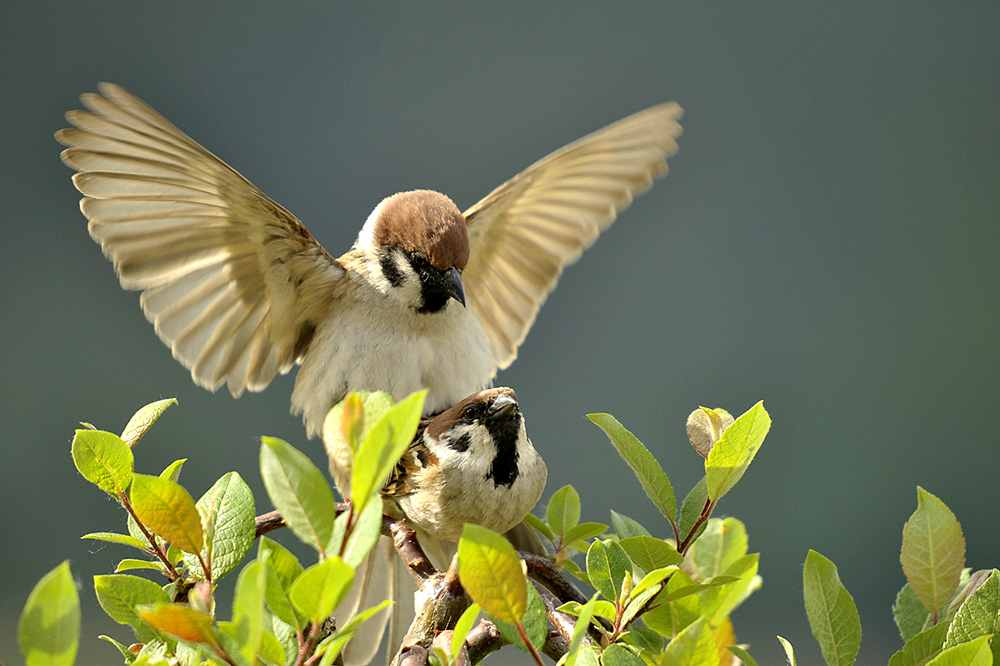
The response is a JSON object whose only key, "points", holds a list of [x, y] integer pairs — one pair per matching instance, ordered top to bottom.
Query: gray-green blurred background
{"points": [[827, 240]]}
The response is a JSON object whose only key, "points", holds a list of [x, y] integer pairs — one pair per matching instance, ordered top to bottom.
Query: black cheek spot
{"points": [[389, 269], [461, 444]]}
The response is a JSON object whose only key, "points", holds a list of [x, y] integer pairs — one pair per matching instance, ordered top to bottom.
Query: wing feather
{"points": [[524, 233], [233, 283]]}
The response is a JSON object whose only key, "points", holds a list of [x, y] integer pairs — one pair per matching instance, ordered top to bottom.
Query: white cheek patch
{"points": [[365, 239]]}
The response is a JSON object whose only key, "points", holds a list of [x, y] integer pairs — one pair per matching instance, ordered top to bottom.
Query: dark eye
{"points": [[418, 260], [469, 414]]}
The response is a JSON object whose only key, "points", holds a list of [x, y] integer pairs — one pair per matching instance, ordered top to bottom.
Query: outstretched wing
{"points": [[527, 230], [233, 283]]}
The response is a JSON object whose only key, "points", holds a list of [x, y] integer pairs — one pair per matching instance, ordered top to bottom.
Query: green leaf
{"points": [[144, 419], [383, 446], [735, 450], [104, 460], [173, 470], [652, 477], [299, 491], [692, 507], [168, 510], [563, 511], [227, 512], [539, 525], [626, 527], [583, 531], [365, 534], [111, 537], [722, 543], [933, 552], [650, 553], [129, 564], [607, 564], [285, 565], [491, 573], [653, 578], [321, 588], [120, 594], [639, 597], [722, 600], [279, 601], [248, 609], [832, 613], [910, 615], [979, 615], [181, 621], [535, 622], [463, 627], [49, 628], [580, 631], [645, 639], [331, 646], [694, 646], [921, 648], [789, 652], [973, 653], [617, 654], [742, 655], [129, 656]]}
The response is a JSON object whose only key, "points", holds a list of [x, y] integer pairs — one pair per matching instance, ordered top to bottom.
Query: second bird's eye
{"points": [[418, 260], [469, 414]]}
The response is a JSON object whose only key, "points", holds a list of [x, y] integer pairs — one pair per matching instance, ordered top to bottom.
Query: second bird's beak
{"points": [[452, 284], [501, 409]]}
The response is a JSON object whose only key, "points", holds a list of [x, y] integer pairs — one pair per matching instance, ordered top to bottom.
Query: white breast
{"points": [[371, 344]]}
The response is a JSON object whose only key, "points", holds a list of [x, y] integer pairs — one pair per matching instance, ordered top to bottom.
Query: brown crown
{"points": [[427, 222]]}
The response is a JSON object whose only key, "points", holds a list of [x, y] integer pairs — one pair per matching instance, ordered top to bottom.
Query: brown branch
{"points": [[409, 549], [541, 569], [563, 622], [483, 640], [413, 656]]}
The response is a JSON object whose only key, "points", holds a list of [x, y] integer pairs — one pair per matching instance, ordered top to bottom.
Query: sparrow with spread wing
{"points": [[428, 296]]}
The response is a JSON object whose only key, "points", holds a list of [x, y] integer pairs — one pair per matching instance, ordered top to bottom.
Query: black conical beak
{"points": [[452, 284], [502, 409]]}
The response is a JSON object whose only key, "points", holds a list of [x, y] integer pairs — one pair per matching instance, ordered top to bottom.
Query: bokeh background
{"points": [[827, 240]]}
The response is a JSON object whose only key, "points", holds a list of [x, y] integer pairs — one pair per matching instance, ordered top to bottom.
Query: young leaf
{"points": [[143, 420], [383, 446], [735, 450], [104, 460], [652, 477], [299, 491], [692, 507], [168, 510], [227, 511], [563, 511], [539, 525], [626, 527], [365, 534], [575, 536], [111, 537], [722, 543], [933, 552], [650, 553], [607, 563], [129, 564], [286, 566], [491, 573], [321, 588], [119, 594], [279, 602], [718, 602], [675, 608], [248, 609], [832, 613], [910, 615], [979, 615], [181, 621], [535, 623], [463, 627], [49, 628], [580, 631], [331, 646], [694, 646], [922, 647], [789, 652], [973, 653], [742, 655]]}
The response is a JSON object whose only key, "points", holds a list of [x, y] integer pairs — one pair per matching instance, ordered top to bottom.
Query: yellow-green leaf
{"points": [[143, 420], [383, 446], [735, 450], [104, 460], [299, 491], [168, 510], [933, 552], [491, 573], [321, 588], [832, 613], [181, 621], [49, 628], [695, 646], [973, 653]]}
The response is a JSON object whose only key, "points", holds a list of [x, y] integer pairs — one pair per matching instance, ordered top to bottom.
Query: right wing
{"points": [[233, 283]]}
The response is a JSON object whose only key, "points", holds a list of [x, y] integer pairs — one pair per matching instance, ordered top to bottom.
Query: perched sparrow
{"points": [[428, 297], [473, 463]]}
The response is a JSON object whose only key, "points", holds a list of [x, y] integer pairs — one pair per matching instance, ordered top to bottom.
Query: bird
{"points": [[428, 297], [472, 463]]}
